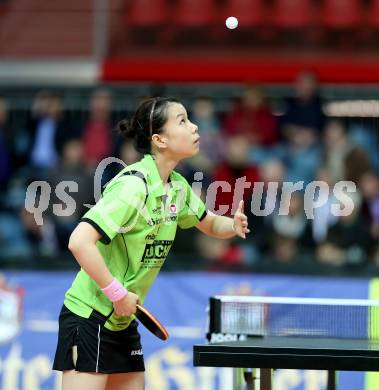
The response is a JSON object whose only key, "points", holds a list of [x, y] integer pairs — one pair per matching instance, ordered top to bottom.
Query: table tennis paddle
{"points": [[151, 323]]}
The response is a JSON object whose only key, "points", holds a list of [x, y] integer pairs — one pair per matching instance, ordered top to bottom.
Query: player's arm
{"points": [[223, 227], [82, 245]]}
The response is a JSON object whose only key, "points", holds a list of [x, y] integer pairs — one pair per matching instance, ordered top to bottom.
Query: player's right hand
{"points": [[127, 305]]}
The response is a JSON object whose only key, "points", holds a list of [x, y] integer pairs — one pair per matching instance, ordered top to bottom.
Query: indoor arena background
{"points": [[291, 95]]}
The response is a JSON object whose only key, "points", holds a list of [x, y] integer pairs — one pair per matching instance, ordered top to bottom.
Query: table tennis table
{"points": [[291, 353]]}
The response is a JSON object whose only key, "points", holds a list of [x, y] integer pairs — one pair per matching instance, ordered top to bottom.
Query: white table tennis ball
{"points": [[231, 22]]}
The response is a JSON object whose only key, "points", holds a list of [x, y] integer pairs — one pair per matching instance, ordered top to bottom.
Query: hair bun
{"points": [[127, 129]]}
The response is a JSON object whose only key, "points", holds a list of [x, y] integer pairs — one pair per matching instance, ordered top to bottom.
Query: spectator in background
{"points": [[303, 112], [253, 118], [301, 125], [49, 131], [97, 134], [366, 138], [212, 143], [337, 146], [5, 147], [124, 151], [128, 154], [301, 158], [357, 163], [234, 167], [71, 169], [270, 171], [369, 186], [323, 216], [291, 234], [41, 238], [348, 241], [13, 242], [220, 256]]}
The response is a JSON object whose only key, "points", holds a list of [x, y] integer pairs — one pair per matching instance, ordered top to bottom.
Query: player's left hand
{"points": [[240, 224]]}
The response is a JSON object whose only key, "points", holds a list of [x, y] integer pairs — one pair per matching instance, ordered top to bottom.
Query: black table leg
{"points": [[265, 375], [249, 379], [331, 380]]}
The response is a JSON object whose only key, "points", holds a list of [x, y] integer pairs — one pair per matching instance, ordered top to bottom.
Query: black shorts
{"points": [[98, 349]]}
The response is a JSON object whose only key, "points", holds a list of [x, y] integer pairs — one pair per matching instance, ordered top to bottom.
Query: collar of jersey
{"points": [[154, 178]]}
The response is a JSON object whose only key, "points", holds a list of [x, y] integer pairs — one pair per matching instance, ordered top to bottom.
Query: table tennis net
{"points": [[303, 317]]}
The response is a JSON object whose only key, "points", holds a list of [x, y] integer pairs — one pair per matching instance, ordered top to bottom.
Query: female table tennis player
{"points": [[121, 244]]}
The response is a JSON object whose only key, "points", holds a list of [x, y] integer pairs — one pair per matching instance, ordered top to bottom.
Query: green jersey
{"points": [[137, 218]]}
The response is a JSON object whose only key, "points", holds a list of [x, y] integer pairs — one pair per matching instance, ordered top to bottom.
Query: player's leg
{"points": [[78, 352], [125, 358], [75, 380], [127, 381]]}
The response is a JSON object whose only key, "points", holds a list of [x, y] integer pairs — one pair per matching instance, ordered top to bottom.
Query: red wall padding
{"points": [[344, 69]]}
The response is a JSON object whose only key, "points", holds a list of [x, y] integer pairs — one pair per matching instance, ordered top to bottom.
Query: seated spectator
{"points": [[303, 112], [253, 118], [301, 125], [49, 131], [97, 134], [366, 138], [212, 143], [337, 146], [5, 147], [128, 153], [301, 158], [342, 158], [357, 163], [236, 166], [71, 169], [271, 173], [369, 186], [323, 216], [290, 234], [41, 238], [13, 241], [348, 241], [218, 254]]}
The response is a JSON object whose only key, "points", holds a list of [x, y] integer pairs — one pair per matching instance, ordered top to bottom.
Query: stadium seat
{"points": [[4, 6], [147, 13], [195, 13], [250, 13], [292, 14], [341, 14], [373, 16]]}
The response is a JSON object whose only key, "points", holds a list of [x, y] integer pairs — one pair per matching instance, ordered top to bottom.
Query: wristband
{"points": [[115, 290]]}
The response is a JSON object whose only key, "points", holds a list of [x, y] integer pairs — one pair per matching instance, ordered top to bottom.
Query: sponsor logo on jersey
{"points": [[157, 210], [172, 215], [171, 218], [153, 222], [157, 250], [156, 253], [136, 352]]}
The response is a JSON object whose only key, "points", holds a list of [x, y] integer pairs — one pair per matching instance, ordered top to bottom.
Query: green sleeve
{"points": [[118, 209], [193, 210]]}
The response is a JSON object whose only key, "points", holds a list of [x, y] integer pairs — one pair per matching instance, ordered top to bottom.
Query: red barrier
{"points": [[343, 69]]}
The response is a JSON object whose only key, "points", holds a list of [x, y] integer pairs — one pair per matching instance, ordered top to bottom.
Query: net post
{"points": [[214, 315]]}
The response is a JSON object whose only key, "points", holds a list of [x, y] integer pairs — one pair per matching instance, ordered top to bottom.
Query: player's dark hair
{"points": [[149, 119]]}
